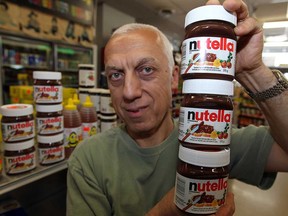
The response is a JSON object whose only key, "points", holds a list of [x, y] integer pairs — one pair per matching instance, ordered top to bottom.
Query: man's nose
{"points": [[132, 86]]}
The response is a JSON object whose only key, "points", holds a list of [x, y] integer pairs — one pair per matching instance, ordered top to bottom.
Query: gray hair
{"points": [[168, 48]]}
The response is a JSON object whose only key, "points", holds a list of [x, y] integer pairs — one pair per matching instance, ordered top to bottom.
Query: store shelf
{"points": [[9, 183]]}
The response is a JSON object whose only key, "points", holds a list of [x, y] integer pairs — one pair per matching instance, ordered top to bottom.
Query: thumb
{"points": [[228, 208]]}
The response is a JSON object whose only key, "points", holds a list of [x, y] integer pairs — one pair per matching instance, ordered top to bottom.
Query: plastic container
{"points": [[209, 48], [87, 76], [47, 87], [206, 113], [89, 118], [49, 119], [17, 122], [72, 127], [51, 149], [19, 157], [201, 180]]}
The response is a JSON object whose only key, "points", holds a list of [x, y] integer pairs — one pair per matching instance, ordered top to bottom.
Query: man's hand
{"points": [[166, 206]]}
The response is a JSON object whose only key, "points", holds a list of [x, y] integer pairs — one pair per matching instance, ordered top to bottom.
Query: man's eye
{"points": [[147, 70], [115, 76]]}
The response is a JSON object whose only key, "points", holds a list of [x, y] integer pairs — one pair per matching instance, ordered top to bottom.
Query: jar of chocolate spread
{"points": [[209, 48], [47, 87], [206, 111], [49, 119], [17, 122], [51, 149], [19, 157], [201, 180]]}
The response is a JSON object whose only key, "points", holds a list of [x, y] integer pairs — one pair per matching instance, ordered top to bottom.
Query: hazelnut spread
{"points": [[209, 48], [87, 76], [47, 87], [206, 113], [49, 119], [17, 122], [51, 149], [19, 157], [201, 180]]}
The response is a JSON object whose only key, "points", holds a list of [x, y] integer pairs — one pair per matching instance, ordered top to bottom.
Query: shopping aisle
{"points": [[251, 201]]}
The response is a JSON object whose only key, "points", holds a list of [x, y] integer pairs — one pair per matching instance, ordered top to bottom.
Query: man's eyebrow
{"points": [[145, 60]]}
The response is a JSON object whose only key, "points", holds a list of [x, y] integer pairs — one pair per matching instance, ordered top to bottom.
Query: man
{"points": [[130, 170]]}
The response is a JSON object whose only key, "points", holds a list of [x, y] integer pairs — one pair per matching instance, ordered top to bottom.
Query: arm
{"points": [[256, 77]]}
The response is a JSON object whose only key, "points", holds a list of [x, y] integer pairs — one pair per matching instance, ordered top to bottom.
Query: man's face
{"points": [[139, 80]]}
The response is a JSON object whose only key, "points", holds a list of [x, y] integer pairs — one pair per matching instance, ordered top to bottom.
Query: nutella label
{"points": [[208, 55], [87, 77], [48, 94], [47, 126], [205, 126], [89, 129], [20, 131], [72, 136], [51, 155], [19, 164], [200, 196]]}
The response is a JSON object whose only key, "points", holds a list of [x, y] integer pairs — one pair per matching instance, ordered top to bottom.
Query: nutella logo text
{"points": [[209, 44], [47, 89], [217, 116], [50, 120], [22, 125], [52, 150], [21, 158], [221, 184]]}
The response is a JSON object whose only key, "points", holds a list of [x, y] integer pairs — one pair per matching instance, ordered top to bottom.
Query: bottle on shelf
{"points": [[89, 118], [72, 127]]}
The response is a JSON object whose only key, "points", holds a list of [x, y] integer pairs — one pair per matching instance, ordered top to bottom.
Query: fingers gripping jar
{"points": [[209, 48], [206, 111], [201, 180]]}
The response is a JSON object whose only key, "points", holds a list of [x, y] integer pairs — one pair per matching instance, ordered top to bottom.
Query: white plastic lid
{"points": [[210, 12], [86, 65], [47, 75], [208, 86], [84, 90], [95, 90], [105, 91], [49, 108], [16, 110], [108, 117], [50, 139], [19, 146], [205, 158]]}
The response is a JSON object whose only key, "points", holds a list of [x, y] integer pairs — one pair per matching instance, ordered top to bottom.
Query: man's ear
{"points": [[175, 77]]}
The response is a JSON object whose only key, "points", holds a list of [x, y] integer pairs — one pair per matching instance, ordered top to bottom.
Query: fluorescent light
{"points": [[280, 24], [276, 38]]}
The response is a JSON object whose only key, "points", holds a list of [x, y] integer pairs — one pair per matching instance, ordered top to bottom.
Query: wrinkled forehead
{"points": [[139, 38]]}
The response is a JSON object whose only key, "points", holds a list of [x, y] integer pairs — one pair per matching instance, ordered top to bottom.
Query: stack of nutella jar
{"points": [[48, 97], [205, 121], [18, 133]]}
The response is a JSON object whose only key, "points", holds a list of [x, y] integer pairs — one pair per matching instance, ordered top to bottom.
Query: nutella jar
{"points": [[209, 48], [87, 75], [47, 87], [106, 106], [206, 111], [49, 119], [17, 122], [51, 149], [19, 157], [201, 180]]}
